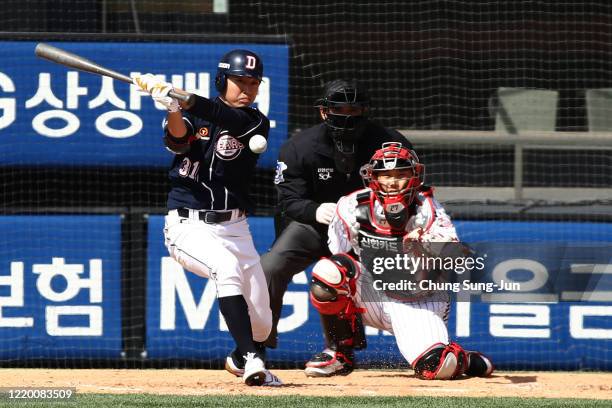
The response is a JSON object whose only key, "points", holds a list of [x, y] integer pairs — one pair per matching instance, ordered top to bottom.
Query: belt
{"points": [[210, 216]]}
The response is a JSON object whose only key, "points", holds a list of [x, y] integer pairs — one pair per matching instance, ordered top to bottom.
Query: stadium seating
{"points": [[599, 108], [517, 109]]}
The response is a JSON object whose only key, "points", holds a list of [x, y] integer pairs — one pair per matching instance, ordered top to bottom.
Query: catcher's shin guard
{"points": [[334, 284], [331, 292], [344, 334], [342, 337], [441, 362], [479, 365]]}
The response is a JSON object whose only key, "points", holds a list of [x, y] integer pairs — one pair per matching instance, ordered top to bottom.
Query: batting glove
{"points": [[158, 90]]}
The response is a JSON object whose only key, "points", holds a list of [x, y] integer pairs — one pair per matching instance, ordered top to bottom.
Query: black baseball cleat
{"points": [[329, 363], [479, 365]]}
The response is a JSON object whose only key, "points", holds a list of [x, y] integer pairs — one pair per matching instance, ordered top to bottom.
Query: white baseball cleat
{"points": [[231, 365], [254, 370], [271, 380]]}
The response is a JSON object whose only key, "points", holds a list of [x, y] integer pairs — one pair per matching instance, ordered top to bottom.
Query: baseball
{"points": [[258, 144]]}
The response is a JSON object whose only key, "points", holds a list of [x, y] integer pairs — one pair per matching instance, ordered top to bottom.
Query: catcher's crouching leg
{"points": [[332, 289], [441, 362]]}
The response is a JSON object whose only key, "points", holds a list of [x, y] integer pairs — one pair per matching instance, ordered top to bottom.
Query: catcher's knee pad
{"points": [[333, 284], [441, 362]]}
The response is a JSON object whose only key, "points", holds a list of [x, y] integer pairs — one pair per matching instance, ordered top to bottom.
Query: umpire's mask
{"points": [[344, 108]]}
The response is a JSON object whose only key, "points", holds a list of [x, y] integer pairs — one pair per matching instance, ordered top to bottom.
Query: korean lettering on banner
{"points": [[105, 96], [64, 110], [54, 115], [536, 278], [76, 279]]}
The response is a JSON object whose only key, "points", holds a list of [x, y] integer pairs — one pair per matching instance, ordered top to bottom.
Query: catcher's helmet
{"points": [[238, 63], [342, 92], [394, 156]]}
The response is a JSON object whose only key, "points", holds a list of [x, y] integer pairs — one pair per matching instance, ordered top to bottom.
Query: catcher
{"points": [[396, 209]]}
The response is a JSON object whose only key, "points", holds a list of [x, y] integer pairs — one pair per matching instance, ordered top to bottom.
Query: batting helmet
{"points": [[238, 63], [341, 92]]}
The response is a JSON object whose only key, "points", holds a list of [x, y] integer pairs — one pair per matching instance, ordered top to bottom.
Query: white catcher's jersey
{"points": [[430, 217], [416, 325]]}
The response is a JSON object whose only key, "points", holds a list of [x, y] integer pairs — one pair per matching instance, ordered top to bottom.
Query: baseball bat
{"points": [[69, 59]]}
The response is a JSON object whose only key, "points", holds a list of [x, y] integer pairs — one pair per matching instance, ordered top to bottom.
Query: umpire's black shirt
{"points": [[306, 174]]}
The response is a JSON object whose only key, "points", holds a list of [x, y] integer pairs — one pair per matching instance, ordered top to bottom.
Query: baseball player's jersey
{"points": [[216, 171], [428, 215], [416, 325]]}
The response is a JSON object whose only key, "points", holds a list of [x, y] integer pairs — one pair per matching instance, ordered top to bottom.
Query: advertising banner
{"points": [[54, 115], [60, 287], [183, 319]]}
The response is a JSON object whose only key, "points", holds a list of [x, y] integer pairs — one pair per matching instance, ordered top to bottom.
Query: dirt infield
{"points": [[359, 383]]}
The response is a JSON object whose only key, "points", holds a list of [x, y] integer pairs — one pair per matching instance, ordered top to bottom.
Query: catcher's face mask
{"points": [[394, 174]]}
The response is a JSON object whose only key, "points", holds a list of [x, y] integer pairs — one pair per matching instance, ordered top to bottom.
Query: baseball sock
{"points": [[236, 313], [261, 349], [239, 358]]}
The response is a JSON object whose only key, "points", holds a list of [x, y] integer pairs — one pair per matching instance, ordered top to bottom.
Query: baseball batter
{"points": [[395, 210], [206, 229]]}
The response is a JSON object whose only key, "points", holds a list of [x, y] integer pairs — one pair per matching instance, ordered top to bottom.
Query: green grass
{"points": [[166, 401]]}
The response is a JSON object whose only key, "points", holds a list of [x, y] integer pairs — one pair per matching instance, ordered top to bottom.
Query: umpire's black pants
{"points": [[298, 246]]}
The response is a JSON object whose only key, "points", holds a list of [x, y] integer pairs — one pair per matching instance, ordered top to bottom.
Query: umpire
{"points": [[315, 168]]}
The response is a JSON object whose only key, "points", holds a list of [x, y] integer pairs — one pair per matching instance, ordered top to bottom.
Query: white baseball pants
{"points": [[225, 253]]}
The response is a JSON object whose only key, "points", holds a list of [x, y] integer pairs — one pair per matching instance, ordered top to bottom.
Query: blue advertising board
{"points": [[54, 115], [60, 287], [183, 320], [558, 332]]}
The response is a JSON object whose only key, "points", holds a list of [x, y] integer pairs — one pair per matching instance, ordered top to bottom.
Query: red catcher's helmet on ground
{"points": [[238, 63], [394, 156]]}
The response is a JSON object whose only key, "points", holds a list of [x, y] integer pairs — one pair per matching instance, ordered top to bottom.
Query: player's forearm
{"points": [[176, 125]]}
